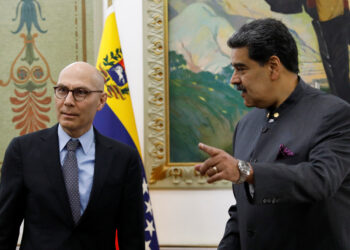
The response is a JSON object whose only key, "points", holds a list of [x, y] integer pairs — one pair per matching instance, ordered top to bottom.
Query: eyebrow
{"points": [[235, 65], [63, 85]]}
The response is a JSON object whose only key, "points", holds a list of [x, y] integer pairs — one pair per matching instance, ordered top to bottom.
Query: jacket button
{"points": [[264, 130], [252, 160], [267, 200], [250, 233]]}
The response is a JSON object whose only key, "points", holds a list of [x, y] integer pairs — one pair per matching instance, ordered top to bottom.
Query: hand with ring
{"points": [[219, 166]]}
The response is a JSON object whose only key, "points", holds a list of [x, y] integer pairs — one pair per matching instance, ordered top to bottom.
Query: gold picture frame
{"points": [[160, 171]]}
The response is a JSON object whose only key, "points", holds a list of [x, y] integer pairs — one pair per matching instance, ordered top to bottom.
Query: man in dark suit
{"points": [[290, 167], [72, 198]]}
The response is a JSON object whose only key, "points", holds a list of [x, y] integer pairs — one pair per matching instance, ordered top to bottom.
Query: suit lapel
{"points": [[53, 169]]}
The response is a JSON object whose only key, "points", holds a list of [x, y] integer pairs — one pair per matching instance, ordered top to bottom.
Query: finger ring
{"points": [[216, 169]]}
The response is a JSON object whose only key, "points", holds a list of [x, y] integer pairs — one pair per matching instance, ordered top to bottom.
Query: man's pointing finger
{"points": [[208, 149]]}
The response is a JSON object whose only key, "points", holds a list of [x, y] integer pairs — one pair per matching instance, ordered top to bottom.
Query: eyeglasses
{"points": [[79, 94]]}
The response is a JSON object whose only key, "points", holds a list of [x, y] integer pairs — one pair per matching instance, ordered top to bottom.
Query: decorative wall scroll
{"points": [[29, 72]]}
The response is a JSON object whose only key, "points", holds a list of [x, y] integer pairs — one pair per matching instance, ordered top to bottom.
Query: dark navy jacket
{"points": [[32, 188]]}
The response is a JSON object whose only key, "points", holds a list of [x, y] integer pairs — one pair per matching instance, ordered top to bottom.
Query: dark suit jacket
{"points": [[32, 188], [302, 188]]}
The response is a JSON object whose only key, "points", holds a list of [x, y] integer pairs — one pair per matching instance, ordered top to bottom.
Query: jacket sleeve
{"points": [[12, 197], [131, 234], [231, 241]]}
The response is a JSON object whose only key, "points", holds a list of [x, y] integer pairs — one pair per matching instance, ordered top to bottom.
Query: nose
{"points": [[235, 80], [69, 100]]}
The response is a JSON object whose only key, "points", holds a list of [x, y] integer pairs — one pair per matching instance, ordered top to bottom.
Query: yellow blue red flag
{"points": [[116, 119]]}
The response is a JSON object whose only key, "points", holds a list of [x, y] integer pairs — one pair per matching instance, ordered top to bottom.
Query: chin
{"points": [[248, 104], [67, 125]]}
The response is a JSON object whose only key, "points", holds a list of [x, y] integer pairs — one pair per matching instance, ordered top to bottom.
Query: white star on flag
{"points": [[144, 186], [149, 207], [150, 227], [147, 245]]}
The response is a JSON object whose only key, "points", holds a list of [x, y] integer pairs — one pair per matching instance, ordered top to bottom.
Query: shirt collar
{"points": [[293, 98], [85, 140]]}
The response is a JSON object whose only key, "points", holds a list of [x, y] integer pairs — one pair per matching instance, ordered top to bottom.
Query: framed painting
{"points": [[188, 97]]}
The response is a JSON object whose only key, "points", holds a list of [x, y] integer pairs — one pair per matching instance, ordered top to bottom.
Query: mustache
{"points": [[240, 87]]}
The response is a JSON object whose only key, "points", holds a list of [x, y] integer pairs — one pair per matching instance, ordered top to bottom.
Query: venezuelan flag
{"points": [[116, 119]]}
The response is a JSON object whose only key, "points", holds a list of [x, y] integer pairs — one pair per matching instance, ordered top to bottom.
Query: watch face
{"points": [[244, 167], [244, 171]]}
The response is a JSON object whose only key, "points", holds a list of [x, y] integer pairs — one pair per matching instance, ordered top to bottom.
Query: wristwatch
{"points": [[244, 171]]}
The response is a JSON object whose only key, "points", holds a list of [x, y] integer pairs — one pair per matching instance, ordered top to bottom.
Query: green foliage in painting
{"points": [[204, 107]]}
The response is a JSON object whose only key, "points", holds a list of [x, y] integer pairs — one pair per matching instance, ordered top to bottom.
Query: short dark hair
{"points": [[265, 38]]}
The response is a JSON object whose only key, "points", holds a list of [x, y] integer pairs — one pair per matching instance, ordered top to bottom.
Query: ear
{"points": [[274, 67], [103, 100]]}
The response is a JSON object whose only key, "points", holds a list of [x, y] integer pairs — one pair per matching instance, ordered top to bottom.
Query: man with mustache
{"points": [[290, 166], [72, 186]]}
